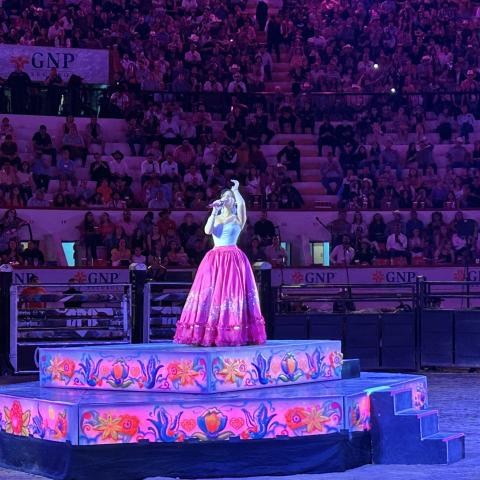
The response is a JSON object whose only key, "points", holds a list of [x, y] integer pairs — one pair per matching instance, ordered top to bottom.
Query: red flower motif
{"points": [[378, 276], [459, 276], [297, 277], [68, 368], [295, 417], [129, 425]]}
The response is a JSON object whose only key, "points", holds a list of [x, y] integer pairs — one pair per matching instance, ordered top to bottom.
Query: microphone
{"points": [[217, 204]]}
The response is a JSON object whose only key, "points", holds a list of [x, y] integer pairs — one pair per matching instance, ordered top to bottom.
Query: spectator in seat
{"points": [[237, 85], [306, 114], [286, 117], [466, 123], [445, 125], [6, 128], [170, 129], [94, 135], [135, 136], [326, 136], [43, 142], [74, 142], [9, 152], [424, 155], [457, 155], [185, 156], [290, 157], [65, 166], [119, 168], [149, 168], [99, 169], [169, 169], [40, 170], [8, 175], [332, 175], [193, 177], [25, 179], [105, 191], [289, 196], [38, 200], [159, 201], [165, 223], [413, 223], [127, 224], [339, 227], [187, 228], [264, 229], [377, 230], [397, 243], [254, 251], [197, 252], [275, 253], [344, 253], [13, 254], [32, 255], [121, 255], [175, 255], [364, 255], [138, 256]]}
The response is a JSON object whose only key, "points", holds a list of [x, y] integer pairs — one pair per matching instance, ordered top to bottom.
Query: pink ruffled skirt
{"points": [[222, 308]]}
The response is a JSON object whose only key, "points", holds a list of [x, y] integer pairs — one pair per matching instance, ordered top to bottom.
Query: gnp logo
{"points": [[393, 276], [313, 277]]}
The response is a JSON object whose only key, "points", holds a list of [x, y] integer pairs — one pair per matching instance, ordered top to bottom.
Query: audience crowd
{"points": [[403, 240]]}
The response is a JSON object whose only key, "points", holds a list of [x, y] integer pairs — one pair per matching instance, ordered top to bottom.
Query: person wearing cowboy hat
{"points": [[119, 167]]}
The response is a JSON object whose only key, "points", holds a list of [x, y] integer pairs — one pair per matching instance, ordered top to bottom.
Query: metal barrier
{"points": [[94, 100], [163, 303], [43, 315], [450, 324], [402, 326], [385, 337]]}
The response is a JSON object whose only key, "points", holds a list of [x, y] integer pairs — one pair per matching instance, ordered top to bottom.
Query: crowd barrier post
{"points": [[263, 272], [6, 278], [138, 279]]}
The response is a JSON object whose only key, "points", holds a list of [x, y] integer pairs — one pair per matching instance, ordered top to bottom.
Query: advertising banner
{"points": [[91, 65]]}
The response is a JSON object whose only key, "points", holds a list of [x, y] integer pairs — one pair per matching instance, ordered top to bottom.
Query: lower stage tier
{"points": [[90, 418]]}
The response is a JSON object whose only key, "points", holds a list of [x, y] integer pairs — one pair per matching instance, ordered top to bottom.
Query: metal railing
{"points": [[95, 100], [66, 314]]}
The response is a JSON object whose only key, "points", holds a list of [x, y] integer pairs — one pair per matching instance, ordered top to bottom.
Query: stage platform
{"points": [[168, 367], [336, 419]]}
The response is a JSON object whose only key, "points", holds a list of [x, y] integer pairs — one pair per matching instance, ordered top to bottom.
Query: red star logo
{"points": [[378, 276], [459, 276], [80, 277], [297, 278]]}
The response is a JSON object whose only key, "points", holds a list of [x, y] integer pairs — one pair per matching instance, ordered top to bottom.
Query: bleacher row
{"points": [[310, 187]]}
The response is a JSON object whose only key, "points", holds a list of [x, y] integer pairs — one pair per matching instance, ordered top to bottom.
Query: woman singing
{"points": [[222, 307]]}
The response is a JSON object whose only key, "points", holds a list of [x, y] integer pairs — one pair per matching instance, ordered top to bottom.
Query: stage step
{"points": [[168, 367], [350, 368], [404, 432]]}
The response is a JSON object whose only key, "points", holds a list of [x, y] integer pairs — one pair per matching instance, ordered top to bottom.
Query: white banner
{"points": [[91, 65], [373, 275], [100, 276]]}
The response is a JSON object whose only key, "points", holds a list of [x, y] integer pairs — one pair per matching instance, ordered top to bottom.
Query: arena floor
{"points": [[457, 397]]}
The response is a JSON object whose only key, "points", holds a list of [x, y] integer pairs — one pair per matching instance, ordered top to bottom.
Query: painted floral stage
{"points": [[275, 396]]}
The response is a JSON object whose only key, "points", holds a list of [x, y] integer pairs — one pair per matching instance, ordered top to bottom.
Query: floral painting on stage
{"points": [[188, 370], [44, 420], [175, 423]]}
